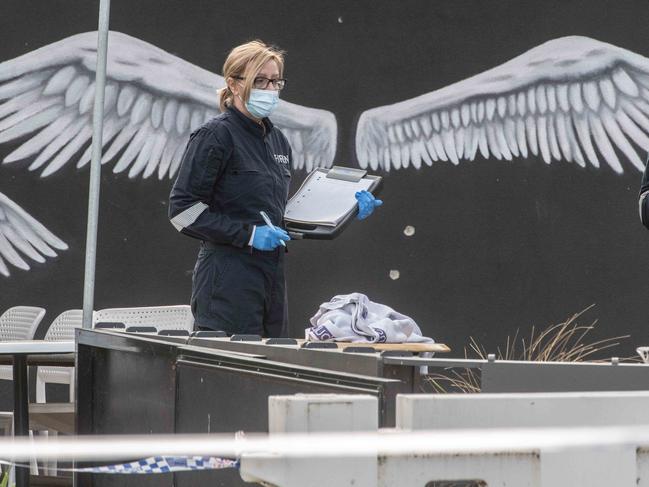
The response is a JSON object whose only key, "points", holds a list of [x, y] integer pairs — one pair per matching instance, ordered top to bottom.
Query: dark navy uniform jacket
{"points": [[232, 169], [644, 197]]}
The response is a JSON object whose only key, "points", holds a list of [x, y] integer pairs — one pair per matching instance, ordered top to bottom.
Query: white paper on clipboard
{"points": [[324, 201]]}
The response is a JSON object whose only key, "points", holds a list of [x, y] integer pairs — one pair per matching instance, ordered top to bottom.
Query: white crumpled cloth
{"points": [[354, 318]]}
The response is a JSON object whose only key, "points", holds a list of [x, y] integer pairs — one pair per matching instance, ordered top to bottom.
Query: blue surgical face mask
{"points": [[261, 103]]}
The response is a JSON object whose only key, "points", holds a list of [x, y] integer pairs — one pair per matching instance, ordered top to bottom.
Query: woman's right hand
{"points": [[267, 238]]}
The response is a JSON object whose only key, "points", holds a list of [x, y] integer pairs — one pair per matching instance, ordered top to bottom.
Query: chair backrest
{"points": [[178, 317], [20, 323], [63, 326]]}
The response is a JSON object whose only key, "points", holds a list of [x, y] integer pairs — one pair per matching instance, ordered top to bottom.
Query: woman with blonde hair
{"points": [[235, 166]]}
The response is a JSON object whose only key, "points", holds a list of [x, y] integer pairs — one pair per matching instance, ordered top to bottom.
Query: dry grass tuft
{"points": [[563, 342]]}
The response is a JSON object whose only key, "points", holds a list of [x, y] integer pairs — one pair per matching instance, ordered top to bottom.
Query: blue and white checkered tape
{"points": [[154, 465], [164, 465]]}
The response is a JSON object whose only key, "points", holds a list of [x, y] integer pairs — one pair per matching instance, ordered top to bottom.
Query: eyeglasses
{"points": [[261, 83]]}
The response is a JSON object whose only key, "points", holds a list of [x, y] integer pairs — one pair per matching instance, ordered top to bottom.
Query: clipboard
{"points": [[331, 190]]}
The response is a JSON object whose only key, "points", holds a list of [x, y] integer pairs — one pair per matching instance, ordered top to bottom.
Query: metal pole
{"points": [[95, 165]]}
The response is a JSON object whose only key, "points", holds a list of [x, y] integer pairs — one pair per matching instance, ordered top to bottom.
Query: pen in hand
{"points": [[270, 224]]}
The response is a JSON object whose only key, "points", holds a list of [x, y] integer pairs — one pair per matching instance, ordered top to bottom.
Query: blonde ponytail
{"points": [[225, 97]]}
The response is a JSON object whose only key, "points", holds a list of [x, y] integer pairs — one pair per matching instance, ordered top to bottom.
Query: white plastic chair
{"points": [[177, 317], [18, 323], [62, 328], [7, 427]]}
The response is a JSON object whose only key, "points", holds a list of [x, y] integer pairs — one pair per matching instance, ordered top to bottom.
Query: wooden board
{"points": [[403, 347]]}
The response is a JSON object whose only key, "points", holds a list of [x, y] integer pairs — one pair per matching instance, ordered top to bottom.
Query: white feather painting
{"points": [[571, 99], [153, 101], [23, 238]]}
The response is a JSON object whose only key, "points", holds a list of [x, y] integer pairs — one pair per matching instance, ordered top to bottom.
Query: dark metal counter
{"points": [[139, 383]]}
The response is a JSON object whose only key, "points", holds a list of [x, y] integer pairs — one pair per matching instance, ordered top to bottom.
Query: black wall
{"points": [[497, 246]]}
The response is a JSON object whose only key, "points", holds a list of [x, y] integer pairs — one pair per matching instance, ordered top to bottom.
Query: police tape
{"points": [[353, 444], [151, 465]]}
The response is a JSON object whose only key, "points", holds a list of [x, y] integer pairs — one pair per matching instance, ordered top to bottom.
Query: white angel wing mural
{"points": [[568, 99], [153, 101], [21, 235]]}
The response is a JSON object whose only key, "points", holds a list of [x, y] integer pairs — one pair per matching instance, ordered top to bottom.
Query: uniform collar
{"points": [[250, 124]]}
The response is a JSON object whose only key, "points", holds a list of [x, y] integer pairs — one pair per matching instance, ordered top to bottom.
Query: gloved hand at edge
{"points": [[366, 204], [267, 238]]}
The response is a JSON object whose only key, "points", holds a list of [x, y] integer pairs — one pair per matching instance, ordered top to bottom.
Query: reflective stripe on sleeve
{"points": [[640, 201], [189, 216]]}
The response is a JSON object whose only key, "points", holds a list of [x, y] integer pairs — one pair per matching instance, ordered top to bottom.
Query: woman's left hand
{"points": [[366, 204]]}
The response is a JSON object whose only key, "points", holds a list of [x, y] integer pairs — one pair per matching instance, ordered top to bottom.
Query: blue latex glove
{"points": [[366, 204], [267, 238]]}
